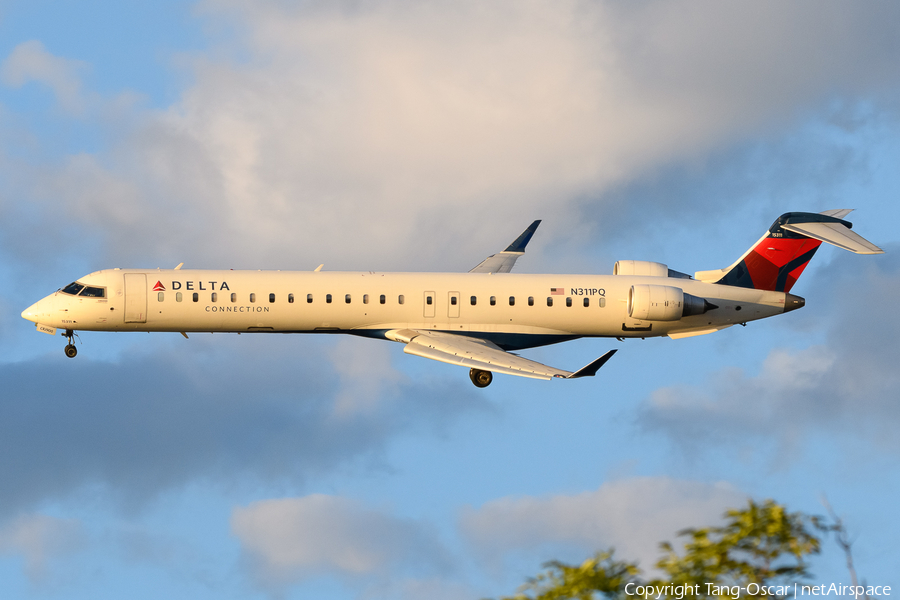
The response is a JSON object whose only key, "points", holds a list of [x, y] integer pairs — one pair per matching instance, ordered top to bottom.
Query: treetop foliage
{"points": [[760, 544]]}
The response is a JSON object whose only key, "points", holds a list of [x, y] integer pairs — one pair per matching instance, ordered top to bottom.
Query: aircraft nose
{"points": [[33, 312]]}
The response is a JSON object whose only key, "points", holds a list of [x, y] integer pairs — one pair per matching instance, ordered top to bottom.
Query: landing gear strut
{"points": [[71, 350], [481, 378]]}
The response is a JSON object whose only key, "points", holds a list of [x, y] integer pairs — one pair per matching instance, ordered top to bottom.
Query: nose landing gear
{"points": [[71, 350], [481, 378]]}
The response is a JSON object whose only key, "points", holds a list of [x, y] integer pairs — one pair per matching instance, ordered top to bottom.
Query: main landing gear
{"points": [[71, 350], [481, 378]]}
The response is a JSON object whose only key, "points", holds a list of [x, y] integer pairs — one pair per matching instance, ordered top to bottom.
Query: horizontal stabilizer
{"points": [[837, 213], [836, 234]]}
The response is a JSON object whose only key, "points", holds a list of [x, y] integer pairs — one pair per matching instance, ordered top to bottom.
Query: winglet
{"points": [[522, 240], [503, 262], [591, 369]]}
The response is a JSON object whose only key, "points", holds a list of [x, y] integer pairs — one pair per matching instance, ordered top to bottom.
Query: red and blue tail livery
{"points": [[778, 259]]}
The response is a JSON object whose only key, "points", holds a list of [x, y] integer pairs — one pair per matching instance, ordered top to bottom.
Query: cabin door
{"points": [[135, 298], [429, 305]]}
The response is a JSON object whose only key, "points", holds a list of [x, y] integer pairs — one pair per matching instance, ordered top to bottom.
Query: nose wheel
{"points": [[71, 350], [481, 378]]}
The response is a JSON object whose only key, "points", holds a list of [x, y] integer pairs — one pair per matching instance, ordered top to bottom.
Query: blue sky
{"points": [[394, 135]]}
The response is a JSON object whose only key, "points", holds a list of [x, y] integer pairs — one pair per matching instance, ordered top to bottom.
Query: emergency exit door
{"points": [[429, 305], [453, 305]]}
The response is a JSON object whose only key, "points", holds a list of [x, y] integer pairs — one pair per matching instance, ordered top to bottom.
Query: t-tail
{"points": [[777, 260]]}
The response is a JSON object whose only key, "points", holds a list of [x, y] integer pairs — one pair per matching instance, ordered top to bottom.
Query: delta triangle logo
{"points": [[159, 287]]}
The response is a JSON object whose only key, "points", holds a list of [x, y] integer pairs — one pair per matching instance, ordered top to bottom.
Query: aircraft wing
{"points": [[503, 262], [484, 355]]}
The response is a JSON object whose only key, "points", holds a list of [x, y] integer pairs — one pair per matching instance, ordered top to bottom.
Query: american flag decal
{"points": [[557, 291]]}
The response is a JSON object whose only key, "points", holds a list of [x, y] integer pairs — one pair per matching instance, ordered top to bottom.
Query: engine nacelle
{"points": [[640, 267], [664, 303]]}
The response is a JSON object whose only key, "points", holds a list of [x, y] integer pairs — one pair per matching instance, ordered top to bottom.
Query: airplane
{"points": [[475, 319]]}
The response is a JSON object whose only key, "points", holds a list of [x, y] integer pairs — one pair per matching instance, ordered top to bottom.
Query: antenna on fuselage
{"points": [[179, 266], [319, 268]]}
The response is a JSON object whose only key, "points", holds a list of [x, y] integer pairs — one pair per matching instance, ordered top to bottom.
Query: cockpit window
{"points": [[73, 288], [77, 289], [94, 292]]}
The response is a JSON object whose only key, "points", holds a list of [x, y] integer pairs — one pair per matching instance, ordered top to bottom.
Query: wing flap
{"points": [[478, 354], [464, 361]]}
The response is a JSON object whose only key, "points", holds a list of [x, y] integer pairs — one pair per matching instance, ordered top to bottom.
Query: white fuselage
{"points": [[512, 310]]}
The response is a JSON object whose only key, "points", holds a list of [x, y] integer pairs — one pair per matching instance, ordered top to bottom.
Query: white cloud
{"points": [[30, 61], [406, 118], [408, 124], [632, 516], [292, 538], [38, 539]]}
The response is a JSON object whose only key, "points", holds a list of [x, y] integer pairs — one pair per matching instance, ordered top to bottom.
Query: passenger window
{"points": [[161, 296], [177, 296], [213, 296], [196, 297], [233, 297], [252, 297], [271, 297], [290, 298], [309, 298], [328, 298], [365, 298], [347, 299], [382, 299], [401, 299], [428, 300], [453, 300], [473, 300], [493, 300], [512, 300], [530, 300], [549, 300], [569, 301], [587, 302], [602, 302]]}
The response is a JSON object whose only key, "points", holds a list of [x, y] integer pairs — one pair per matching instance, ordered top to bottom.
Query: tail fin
{"points": [[776, 261]]}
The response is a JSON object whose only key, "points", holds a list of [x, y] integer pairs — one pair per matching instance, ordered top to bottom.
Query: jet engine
{"points": [[640, 267], [646, 268], [664, 303]]}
